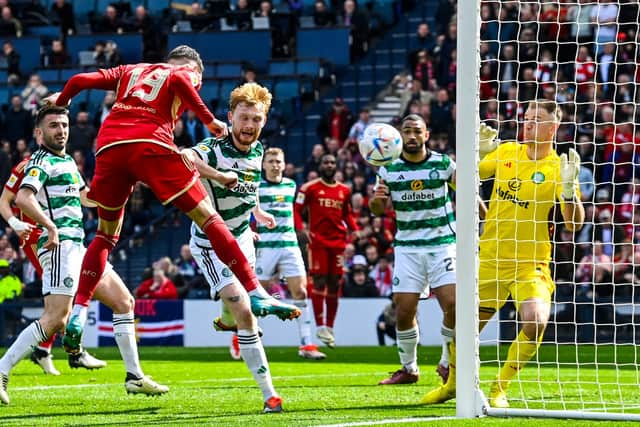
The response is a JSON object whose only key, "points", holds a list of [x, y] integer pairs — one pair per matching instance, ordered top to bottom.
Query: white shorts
{"points": [[287, 262], [61, 268], [216, 272], [417, 272]]}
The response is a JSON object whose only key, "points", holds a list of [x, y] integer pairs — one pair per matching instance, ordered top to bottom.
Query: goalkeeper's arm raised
{"points": [[572, 211]]}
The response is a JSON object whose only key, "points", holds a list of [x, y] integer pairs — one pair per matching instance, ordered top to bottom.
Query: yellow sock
{"points": [[520, 352], [451, 381]]}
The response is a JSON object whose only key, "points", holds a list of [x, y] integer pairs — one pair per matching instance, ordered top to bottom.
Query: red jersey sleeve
{"points": [[101, 79], [186, 84], [17, 174], [298, 208]]}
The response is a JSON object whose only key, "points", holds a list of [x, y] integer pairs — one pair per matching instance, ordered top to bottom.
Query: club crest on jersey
{"points": [[434, 174], [537, 177], [417, 185], [226, 272], [68, 282]]}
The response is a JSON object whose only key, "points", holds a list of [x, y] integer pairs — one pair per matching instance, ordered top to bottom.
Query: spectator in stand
{"points": [[62, 14], [322, 15], [240, 16], [198, 17], [604, 20], [110, 22], [358, 22], [143, 23], [9, 26], [424, 41], [58, 57], [13, 63], [585, 68], [606, 69], [424, 72], [33, 93], [104, 109], [441, 119], [364, 120], [18, 122], [335, 123], [194, 127], [82, 135], [180, 136], [313, 162], [587, 183], [138, 211], [607, 233], [371, 253], [595, 267], [623, 271], [172, 272], [382, 275], [357, 283], [10, 284], [157, 287], [386, 324]]}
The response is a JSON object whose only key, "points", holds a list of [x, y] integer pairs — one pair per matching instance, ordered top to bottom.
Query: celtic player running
{"points": [[241, 153], [424, 246], [277, 248]]}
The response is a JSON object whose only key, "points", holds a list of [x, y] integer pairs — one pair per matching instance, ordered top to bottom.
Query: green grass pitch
{"points": [[208, 388]]}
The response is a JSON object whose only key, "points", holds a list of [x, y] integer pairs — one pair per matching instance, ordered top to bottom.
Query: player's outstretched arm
{"points": [[104, 79], [228, 179], [572, 211], [21, 228]]}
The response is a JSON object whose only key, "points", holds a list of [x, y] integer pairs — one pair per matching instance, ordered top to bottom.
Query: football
{"points": [[380, 144]]}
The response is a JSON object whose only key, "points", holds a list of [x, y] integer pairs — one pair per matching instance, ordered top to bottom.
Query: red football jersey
{"points": [[150, 98], [13, 185], [329, 208]]}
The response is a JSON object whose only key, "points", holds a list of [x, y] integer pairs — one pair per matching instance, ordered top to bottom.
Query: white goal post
{"points": [[588, 366]]}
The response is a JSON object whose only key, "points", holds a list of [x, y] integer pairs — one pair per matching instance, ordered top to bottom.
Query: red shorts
{"points": [[164, 170], [29, 248], [323, 261]]}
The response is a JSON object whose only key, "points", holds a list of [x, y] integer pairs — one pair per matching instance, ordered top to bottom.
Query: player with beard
{"points": [[417, 185], [51, 194], [328, 204]]}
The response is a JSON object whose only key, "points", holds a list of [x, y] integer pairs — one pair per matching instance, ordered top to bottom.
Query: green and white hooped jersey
{"points": [[57, 183], [420, 197], [277, 199], [233, 205]]}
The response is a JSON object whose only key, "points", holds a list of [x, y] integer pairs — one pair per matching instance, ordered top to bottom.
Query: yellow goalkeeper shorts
{"points": [[522, 281]]}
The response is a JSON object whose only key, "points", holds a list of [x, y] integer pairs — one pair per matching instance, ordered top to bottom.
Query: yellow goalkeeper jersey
{"points": [[519, 221]]}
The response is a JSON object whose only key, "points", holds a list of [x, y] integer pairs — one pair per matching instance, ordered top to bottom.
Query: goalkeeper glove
{"points": [[488, 142], [569, 169]]}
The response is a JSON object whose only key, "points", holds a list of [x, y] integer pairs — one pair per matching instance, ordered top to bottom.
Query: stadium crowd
{"points": [[594, 81]]}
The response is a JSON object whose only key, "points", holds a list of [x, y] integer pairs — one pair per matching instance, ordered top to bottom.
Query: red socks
{"points": [[227, 249], [93, 266], [317, 298], [332, 308], [46, 345]]}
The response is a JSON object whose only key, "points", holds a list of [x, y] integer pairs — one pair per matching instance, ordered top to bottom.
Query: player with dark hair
{"points": [[328, 204]]}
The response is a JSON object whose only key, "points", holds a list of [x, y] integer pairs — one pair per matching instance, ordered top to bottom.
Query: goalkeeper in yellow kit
{"points": [[530, 180]]}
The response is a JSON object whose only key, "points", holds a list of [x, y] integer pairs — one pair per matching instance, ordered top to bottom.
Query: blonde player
{"points": [[530, 180]]}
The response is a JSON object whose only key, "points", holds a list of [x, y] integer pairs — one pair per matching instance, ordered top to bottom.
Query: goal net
{"points": [[583, 55]]}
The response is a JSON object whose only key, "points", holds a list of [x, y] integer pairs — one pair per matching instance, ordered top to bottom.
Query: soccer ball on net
{"points": [[380, 144]]}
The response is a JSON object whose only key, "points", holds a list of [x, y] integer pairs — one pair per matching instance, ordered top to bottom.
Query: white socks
{"points": [[304, 322], [125, 334], [447, 337], [29, 338], [407, 342], [253, 355]]}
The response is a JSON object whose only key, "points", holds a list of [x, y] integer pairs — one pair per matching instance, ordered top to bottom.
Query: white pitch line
{"points": [[213, 380], [389, 421]]}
